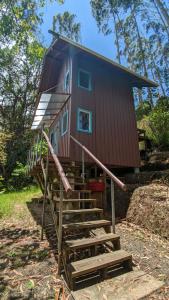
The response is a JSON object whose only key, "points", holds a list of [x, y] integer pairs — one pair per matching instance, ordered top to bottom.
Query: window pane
{"points": [[84, 79], [67, 81], [84, 120], [64, 123]]}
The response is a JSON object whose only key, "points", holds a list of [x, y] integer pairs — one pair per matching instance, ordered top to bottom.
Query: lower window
{"points": [[84, 120], [64, 126]]}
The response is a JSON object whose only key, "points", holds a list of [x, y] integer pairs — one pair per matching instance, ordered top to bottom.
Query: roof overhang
{"points": [[62, 45]]}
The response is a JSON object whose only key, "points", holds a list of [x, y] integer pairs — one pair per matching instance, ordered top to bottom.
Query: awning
{"points": [[48, 108]]}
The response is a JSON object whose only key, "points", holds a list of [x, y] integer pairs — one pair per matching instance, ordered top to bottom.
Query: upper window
{"points": [[84, 80], [67, 82], [84, 120], [64, 126]]}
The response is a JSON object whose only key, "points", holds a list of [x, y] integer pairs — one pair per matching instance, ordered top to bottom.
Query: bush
{"points": [[143, 110], [155, 122], [159, 123], [19, 178]]}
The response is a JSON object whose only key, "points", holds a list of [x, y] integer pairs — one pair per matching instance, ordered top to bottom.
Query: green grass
{"points": [[8, 200]]}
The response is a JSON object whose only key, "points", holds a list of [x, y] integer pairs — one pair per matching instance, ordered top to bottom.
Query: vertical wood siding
{"points": [[114, 137], [64, 141]]}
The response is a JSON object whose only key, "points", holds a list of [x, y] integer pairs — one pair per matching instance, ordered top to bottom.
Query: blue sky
{"points": [[90, 36]]}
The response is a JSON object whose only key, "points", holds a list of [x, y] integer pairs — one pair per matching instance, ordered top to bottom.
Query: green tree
{"points": [[160, 6], [104, 12], [66, 25], [20, 63], [159, 123]]}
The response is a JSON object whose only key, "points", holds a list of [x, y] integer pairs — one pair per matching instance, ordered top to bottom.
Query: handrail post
{"points": [[37, 141], [40, 150], [83, 166], [45, 195], [112, 206], [60, 228]]}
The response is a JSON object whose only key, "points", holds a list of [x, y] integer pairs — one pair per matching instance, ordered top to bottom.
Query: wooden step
{"points": [[74, 191], [75, 200], [82, 211], [87, 224], [82, 243], [92, 264]]}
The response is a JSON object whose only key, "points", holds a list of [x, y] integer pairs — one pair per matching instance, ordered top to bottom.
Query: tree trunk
{"points": [[163, 10], [161, 16], [124, 36], [117, 39], [140, 45], [143, 57], [158, 74], [140, 97]]}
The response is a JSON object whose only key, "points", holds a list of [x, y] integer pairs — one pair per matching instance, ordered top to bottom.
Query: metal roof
{"points": [[144, 82]]}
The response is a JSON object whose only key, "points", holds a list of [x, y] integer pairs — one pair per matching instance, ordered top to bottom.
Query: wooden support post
{"points": [[41, 140], [83, 166], [95, 172], [83, 178], [105, 193], [45, 194], [112, 206], [60, 228]]}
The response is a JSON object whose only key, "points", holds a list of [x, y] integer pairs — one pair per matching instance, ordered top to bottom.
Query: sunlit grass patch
{"points": [[9, 200]]}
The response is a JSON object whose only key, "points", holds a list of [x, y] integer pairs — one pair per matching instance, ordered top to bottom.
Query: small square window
{"points": [[84, 80], [84, 120], [64, 123]]}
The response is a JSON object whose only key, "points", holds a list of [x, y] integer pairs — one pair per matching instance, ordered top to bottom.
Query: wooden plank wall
{"points": [[114, 138], [64, 141]]}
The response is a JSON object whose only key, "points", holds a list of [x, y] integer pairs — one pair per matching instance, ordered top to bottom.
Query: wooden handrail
{"points": [[103, 167], [61, 172]]}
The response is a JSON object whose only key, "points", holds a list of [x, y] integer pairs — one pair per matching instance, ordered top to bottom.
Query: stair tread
{"points": [[77, 191], [75, 200], [82, 211], [87, 224], [80, 243], [91, 264]]}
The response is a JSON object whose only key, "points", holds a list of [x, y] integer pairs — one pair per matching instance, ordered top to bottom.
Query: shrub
{"points": [[143, 110], [159, 123], [19, 178]]}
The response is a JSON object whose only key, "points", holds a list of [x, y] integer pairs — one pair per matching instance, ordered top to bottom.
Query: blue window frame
{"points": [[84, 80], [67, 82], [84, 120], [64, 123]]}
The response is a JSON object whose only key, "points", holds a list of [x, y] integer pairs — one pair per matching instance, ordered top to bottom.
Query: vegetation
{"points": [[65, 25], [141, 38], [156, 122], [9, 200]]}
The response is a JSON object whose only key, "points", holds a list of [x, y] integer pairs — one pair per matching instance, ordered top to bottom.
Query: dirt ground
{"points": [[28, 266]]}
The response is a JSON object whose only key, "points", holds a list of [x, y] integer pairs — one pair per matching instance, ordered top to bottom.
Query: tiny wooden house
{"points": [[87, 96]]}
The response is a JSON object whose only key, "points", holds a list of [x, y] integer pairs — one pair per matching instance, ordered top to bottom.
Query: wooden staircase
{"points": [[87, 245]]}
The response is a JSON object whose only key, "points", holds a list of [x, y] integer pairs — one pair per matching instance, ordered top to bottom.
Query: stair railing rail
{"points": [[35, 156], [113, 178], [64, 183]]}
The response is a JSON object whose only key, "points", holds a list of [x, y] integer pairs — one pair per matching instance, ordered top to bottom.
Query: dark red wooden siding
{"points": [[114, 137], [64, 141]]}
